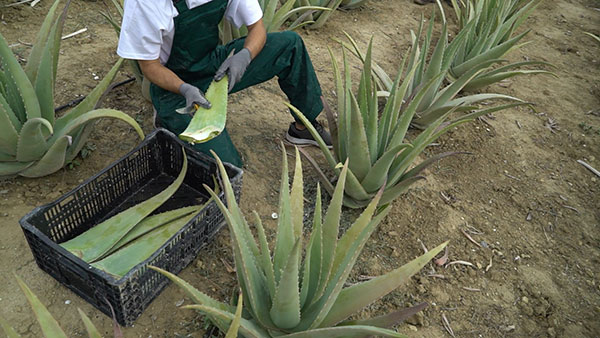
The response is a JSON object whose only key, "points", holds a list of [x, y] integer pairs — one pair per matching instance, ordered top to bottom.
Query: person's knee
{"points": [[291, 38]]}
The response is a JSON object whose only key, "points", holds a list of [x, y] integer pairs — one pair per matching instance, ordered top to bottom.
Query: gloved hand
{"points": [[234, 66], [192, 95]]}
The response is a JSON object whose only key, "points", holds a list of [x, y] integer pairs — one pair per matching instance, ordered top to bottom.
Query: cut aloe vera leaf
{"points": [[209, 123], [150, 223], [95, 242], [132, 254]]}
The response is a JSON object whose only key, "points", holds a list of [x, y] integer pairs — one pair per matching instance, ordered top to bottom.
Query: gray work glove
{"points": [[234, 66], [192, 95]]}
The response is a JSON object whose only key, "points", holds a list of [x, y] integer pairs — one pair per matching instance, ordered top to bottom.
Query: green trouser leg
{"points": [[284, 55]]}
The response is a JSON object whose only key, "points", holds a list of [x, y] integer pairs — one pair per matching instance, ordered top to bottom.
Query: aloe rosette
{"points": [[489, 28], [440, 97], [375, 141], [33, 142], [298, 289]]}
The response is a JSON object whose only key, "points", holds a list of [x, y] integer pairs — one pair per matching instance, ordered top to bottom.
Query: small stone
{"points": [[393, 233], [479, 266], [525, 300], [67, 302], [179, 303], [416, 320], [413, 328], [551, 332]]}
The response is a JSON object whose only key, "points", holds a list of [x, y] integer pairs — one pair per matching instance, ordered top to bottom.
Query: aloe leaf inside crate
{"points": [[209, 123], [97, 241], [124, 259]]}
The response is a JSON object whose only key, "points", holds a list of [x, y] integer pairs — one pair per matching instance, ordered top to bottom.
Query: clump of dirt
{"points": [[521, 214]]}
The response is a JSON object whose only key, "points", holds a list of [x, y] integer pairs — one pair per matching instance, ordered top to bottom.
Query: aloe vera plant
{"points": [[275, 15], [489, 27], [439, 98], [209, 123], [375, 141], [33, 142], [285, 295], [49, 325]]}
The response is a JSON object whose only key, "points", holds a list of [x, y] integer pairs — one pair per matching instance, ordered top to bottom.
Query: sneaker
{"points": [[303, 137]]}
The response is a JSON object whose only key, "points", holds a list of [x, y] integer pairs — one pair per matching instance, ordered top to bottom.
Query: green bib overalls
{"points": [[196, 55]]}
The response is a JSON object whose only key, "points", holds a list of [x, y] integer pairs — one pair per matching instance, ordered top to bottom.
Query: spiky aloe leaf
{"points": [[323, 16], [492, 54], [35, 57], [488, 79], [44, 85], [21, 94], [90, 100], [8, 111], [209, 123], [74, 125], [9, 136], [32, 143], [358, 153], [52, 161], [13, 168], [378, 173], [297, 200], [330, 231], [285, 239], [96, 241], [347, 250], [265, 256], [314, 256], [246, 259], [120, 262], [198, 297], [356, 297], [285, 312], [390, 319], [89, 326], [50, 327], [234, 327], [247, 328], [8, 330], [356, 331]]}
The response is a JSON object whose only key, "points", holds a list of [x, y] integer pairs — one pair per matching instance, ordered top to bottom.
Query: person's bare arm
{"points": [[257, 36], [160, 75]]}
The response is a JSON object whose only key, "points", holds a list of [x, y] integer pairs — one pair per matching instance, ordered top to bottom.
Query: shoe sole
{"points": [[302, 141]]}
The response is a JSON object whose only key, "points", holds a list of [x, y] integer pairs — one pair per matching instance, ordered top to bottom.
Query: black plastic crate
{"points": [[144, 171]]}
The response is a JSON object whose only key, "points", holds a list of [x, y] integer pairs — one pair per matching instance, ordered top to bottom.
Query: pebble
{"points": [[525, 300], [67, 302], [179, 303], [413, 328], [551, 332]]}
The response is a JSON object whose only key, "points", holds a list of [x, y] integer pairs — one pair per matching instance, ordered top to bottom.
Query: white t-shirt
{"points": [[147, 30]]}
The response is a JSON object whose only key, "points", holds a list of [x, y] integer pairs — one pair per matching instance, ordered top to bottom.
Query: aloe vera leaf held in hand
{"points": [[209, 123], [95, 242]]}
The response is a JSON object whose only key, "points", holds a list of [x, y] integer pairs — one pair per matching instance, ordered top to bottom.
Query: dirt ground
{"points": [[532, 209]]}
